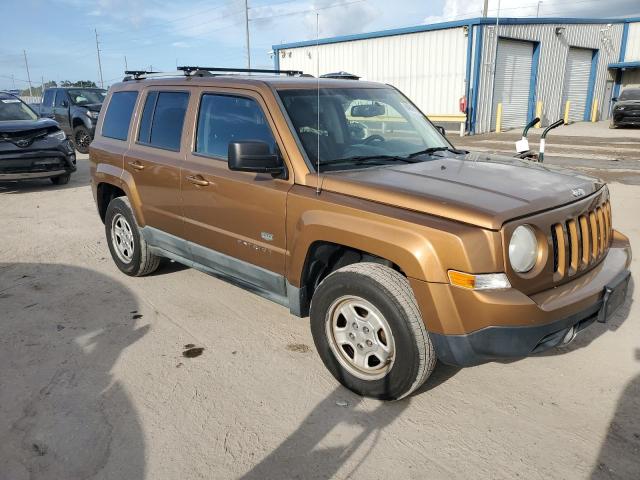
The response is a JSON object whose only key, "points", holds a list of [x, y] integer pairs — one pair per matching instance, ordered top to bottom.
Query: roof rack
{"points": [[192, 70], [137, 74]]}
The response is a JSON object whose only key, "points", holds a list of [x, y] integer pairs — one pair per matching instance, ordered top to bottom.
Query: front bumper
{"points": [[631, 118], [31, 164], [472, 327]]}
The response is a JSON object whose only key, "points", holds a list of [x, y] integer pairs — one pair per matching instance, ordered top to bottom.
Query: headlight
{"points": [[92, 114], [59, 135], [523, 249]]}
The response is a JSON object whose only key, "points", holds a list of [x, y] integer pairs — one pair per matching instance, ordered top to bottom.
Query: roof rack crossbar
{"points": [[190, 69], [138, 73]]}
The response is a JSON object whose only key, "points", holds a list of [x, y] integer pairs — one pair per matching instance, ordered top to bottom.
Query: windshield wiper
{"points": [[430, 150], [360, 159]]}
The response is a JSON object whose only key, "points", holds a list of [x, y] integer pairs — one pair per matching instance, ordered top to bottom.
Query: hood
{"points": [[621, 103], [94, 107], [20, 126], [475, 188]]}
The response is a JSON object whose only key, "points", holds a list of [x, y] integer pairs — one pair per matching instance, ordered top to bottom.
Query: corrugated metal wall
{"points": [[633, 43], [429, 67], [551, 69]]}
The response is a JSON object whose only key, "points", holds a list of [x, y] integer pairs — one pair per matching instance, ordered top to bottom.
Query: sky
{"points": [[59, 36]]}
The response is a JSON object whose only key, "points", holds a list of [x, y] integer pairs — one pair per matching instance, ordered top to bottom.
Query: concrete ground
{"points": [[613, 154], [94, 384]]}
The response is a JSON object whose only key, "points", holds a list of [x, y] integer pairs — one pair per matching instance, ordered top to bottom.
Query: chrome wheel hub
{"points": [[122, 238], [360, 338]]}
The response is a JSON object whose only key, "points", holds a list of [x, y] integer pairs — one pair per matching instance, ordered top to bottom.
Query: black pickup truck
{"points": [[76, 110]]}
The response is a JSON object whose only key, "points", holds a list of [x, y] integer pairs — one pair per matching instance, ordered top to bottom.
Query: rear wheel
{"points": [[81, 138], [128, 248], [369, 332]]}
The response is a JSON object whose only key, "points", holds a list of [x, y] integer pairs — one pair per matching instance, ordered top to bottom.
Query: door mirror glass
{"points": [[253, 157]]}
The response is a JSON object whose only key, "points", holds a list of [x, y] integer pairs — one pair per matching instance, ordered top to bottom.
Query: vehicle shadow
{"points": [[79, 178], [595, 330], [63, 414], [620, 452], [302, 454]]}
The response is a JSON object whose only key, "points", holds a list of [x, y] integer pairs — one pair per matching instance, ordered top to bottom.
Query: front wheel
{"points": [[81, 138], [128, 247], [368, 330]]}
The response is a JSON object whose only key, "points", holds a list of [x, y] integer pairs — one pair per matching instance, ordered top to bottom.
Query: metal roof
{"points": [[454, 24]]}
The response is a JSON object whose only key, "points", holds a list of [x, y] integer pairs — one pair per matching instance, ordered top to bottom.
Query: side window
{"points": [[61, 96], [47, 101], [118, 116], [162, 119], [223, 119]]}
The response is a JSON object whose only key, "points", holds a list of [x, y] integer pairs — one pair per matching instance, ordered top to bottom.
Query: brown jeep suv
{"points": [[340, 200]]}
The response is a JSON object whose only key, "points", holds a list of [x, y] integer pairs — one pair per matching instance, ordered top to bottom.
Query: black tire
{"points": [[81, 138], [61, 179], [142, 261], [389, 292]]}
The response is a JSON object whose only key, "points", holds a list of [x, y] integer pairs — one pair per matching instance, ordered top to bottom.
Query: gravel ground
{"points": [[95, 383]]}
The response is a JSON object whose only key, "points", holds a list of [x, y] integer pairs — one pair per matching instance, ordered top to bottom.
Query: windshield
{"points": [[630, 94], [85, 97], [12, 108], [364, 126]]}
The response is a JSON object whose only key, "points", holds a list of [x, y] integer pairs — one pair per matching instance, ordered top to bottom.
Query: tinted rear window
{"points": [[118, 116], [162, 119], [224, 119]]}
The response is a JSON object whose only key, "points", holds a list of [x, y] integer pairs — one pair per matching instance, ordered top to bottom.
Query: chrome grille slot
{"points": [[581, 241]]}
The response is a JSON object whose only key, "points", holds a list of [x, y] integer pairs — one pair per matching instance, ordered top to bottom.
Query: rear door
{"points": [[154, 159], [234, 220]]}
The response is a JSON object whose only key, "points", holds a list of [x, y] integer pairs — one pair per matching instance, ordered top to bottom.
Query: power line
{"points": [[342, 4]]}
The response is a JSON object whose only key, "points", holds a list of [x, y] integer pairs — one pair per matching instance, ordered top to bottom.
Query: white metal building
{"points": [[545, 67]]}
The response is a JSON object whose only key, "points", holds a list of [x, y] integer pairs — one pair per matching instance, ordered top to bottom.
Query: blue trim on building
{"points": [[454, 24], [623, 53], [535, 61], [625, 65], [467, 78], [476, 78], [592, 84]]}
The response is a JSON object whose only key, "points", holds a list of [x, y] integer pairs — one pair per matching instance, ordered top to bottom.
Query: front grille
{"points": [[581, 241]]}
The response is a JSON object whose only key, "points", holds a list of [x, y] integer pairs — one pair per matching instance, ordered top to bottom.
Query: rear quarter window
{"points": [[118, 116], [163, 119]]}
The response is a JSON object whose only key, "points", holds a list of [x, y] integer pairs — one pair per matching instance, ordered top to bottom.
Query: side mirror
{"points": [[614, 99], [65, 104], [441, 130], [255, 157]]}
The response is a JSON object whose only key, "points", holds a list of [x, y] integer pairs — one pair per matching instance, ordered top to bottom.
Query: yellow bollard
{"points": [[567, 108], [594, 111], [538, 113], [499, 118]]}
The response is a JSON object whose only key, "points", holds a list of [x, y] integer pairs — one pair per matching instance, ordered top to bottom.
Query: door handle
{"points": [[136, 165], [197, 180]]}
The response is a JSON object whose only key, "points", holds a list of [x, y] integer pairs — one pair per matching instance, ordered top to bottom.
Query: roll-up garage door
{"points": [[576, 82], [512, 83]]}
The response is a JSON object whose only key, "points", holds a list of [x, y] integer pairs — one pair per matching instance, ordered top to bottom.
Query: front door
{"points": [[61, 111], [154, 159], [235, 221]]}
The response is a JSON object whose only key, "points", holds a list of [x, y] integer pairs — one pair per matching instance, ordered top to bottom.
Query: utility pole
{"points": [[485, 9], [538, 9], [246, 27], [99, 63], [125, 63], [26, 64], [13, 80]]}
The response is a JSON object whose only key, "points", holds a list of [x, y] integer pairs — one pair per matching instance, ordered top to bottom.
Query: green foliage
{"points": [[37, 90]]}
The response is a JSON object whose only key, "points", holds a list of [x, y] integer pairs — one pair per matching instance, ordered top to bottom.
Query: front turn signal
{"points": [[483, 281]]}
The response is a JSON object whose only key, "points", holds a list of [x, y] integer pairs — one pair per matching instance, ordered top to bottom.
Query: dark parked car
{"points": [[76, 110], [626, 110], [32, 147]]}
